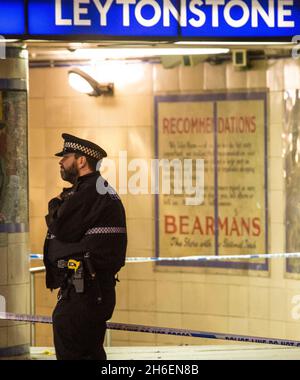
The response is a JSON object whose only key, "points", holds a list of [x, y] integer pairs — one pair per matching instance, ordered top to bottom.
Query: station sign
{"points": [[169, 19]]}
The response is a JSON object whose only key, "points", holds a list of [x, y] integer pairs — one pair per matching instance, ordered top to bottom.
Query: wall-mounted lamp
{"points": [[84, 83]]}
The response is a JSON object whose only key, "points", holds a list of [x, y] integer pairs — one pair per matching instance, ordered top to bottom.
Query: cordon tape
{"points": [[35, 256], [163, 330], [174, 331]]}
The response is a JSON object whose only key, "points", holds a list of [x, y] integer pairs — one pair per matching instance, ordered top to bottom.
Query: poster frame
{"points": [[215, 97]]}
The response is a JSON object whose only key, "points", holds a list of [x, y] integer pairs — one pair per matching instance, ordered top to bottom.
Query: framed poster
{"points": [[228, 133], [291, 141]]}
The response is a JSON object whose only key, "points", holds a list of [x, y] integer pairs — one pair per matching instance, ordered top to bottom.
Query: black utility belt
{"points": [[69, 264], [76, 265], [77, 271], [75, 275]]}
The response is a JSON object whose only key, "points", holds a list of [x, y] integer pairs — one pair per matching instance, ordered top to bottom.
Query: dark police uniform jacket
{"points": [[85, 221]]}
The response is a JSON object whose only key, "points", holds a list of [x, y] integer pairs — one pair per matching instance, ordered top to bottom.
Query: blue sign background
{"points": [[12, 17], [42, 21], [263, 30]]}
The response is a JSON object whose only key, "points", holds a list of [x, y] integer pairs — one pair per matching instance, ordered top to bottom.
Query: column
{"points": [[14, 263]]}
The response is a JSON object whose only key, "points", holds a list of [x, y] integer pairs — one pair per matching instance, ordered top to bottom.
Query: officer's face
{"points": [[68, 168]]}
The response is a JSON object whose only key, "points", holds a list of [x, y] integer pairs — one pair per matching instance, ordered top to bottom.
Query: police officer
{"points": [[84, 249]]}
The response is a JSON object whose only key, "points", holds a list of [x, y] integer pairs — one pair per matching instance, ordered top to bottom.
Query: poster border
{"points": [[215, 97], [290, 272]]}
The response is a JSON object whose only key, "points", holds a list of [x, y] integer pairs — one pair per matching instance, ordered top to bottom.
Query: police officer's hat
{"points": [[74, 144]]}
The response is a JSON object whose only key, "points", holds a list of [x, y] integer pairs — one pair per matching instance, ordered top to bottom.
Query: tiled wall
{"points": [[189, 298]]}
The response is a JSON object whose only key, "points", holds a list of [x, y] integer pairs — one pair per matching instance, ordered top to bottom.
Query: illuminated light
{"points": [[4, 40], [232, 43], [110, 53], [79, 84], [85, 84]]}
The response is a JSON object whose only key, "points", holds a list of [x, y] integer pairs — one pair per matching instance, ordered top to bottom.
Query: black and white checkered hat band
{"points": [[85, 150], [106, 230], [97, 231]]}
